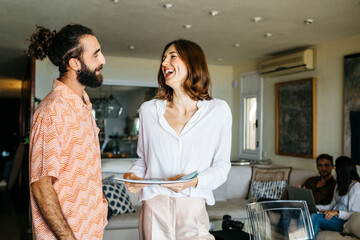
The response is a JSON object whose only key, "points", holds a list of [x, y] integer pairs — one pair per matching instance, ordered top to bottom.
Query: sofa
{"points": [[230, 198]]}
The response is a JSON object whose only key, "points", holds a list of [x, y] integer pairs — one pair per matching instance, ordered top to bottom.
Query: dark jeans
{"points": [[333, 224]]}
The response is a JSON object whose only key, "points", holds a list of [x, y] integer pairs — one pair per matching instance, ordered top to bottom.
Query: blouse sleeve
{"points": [[216, 175], [354, 203]]}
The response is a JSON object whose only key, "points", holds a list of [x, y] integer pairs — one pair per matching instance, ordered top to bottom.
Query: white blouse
{"points": [[204, 145], [353, 203]]}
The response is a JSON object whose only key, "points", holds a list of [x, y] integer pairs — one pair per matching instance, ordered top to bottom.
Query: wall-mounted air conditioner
{"points": [[299, 61]]}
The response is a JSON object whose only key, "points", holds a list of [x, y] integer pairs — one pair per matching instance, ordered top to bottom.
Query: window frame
{"points": [[247, 90]]}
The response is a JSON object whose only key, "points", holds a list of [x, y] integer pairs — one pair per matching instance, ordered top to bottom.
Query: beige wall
{"points": [[329, 75]]}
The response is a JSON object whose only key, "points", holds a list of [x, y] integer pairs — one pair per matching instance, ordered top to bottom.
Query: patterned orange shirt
{"points": [[64, 144]]}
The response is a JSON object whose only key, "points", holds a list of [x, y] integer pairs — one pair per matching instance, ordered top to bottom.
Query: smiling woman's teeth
{"points": [[168, 72]]}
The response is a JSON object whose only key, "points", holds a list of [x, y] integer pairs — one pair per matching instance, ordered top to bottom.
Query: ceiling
{"points": [[148, 26]]}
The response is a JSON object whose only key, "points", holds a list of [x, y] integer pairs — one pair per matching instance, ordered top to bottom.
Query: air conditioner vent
{"points": [[285, 64]]}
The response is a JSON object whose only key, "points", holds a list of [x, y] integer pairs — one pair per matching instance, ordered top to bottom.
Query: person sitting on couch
{"points": [[322, 186], [345, 199]]}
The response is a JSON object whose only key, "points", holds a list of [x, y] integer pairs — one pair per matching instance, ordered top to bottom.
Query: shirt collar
{"points": [[71, 97], [161, 107]]}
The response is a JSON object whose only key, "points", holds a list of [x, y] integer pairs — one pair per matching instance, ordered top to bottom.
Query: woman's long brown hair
{"points": [[345, 173]]}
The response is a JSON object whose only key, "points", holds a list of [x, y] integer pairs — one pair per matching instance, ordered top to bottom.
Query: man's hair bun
{"points": [[40, 43]]}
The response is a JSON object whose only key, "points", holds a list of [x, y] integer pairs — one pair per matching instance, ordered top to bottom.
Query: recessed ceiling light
{"points": [[115, 1], [168, 5], [214, 12], [256, 19], [309, 21], [187, 26], [267, 35], [236, 45], [131, 47], [219, 59]]}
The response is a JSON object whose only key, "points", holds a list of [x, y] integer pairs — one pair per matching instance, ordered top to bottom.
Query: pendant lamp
{"points": [[113, 107], [100, 108]]}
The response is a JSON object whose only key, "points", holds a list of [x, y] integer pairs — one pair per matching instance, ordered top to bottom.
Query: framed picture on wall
{"points": [[352, 107], [296, 118]]}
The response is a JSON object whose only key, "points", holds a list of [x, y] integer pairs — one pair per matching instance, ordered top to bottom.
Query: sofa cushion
{"points": [[270, 174], [300, 176], [238, 181], [266, 190], [220, 193], [117, 196], [134, 198], [233, 207], [124, 221], [352, 226], [126, 234], [331, 235]]}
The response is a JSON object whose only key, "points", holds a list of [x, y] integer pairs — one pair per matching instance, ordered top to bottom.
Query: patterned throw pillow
{"points": [[266, 174], [270, 174], [266, 189], [117, 196]]}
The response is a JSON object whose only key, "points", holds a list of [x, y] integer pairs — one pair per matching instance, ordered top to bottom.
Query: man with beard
{"points": [[322, 186], [67, 201]]}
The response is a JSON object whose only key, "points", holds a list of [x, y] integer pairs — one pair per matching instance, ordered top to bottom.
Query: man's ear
{"points": [[75, 64]]}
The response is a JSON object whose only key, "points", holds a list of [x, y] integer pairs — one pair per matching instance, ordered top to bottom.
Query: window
{"points": [[250, 116], [250, 123]]}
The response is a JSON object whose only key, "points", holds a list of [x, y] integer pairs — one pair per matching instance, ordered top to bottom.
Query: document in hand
{"points": [[185, 178]]}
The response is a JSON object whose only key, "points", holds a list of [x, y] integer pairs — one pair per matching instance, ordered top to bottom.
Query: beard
{"points": [[88, 77], [325, 174]]}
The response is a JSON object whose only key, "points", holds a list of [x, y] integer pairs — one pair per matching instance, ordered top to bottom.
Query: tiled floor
{"points": [[13, 219]]}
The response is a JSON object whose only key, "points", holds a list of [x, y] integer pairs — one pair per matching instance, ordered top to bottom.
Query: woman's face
{"points": [[173, 68]]}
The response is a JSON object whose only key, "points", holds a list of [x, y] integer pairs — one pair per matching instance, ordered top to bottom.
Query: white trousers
{"points": [[174, 218]]}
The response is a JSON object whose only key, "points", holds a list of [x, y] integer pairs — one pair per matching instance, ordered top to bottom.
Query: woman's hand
{"points": [[133, 187], [179, 187], [330, 213]]}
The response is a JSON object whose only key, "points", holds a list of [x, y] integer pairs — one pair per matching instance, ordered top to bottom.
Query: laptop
{"points": [[296, 193]]}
